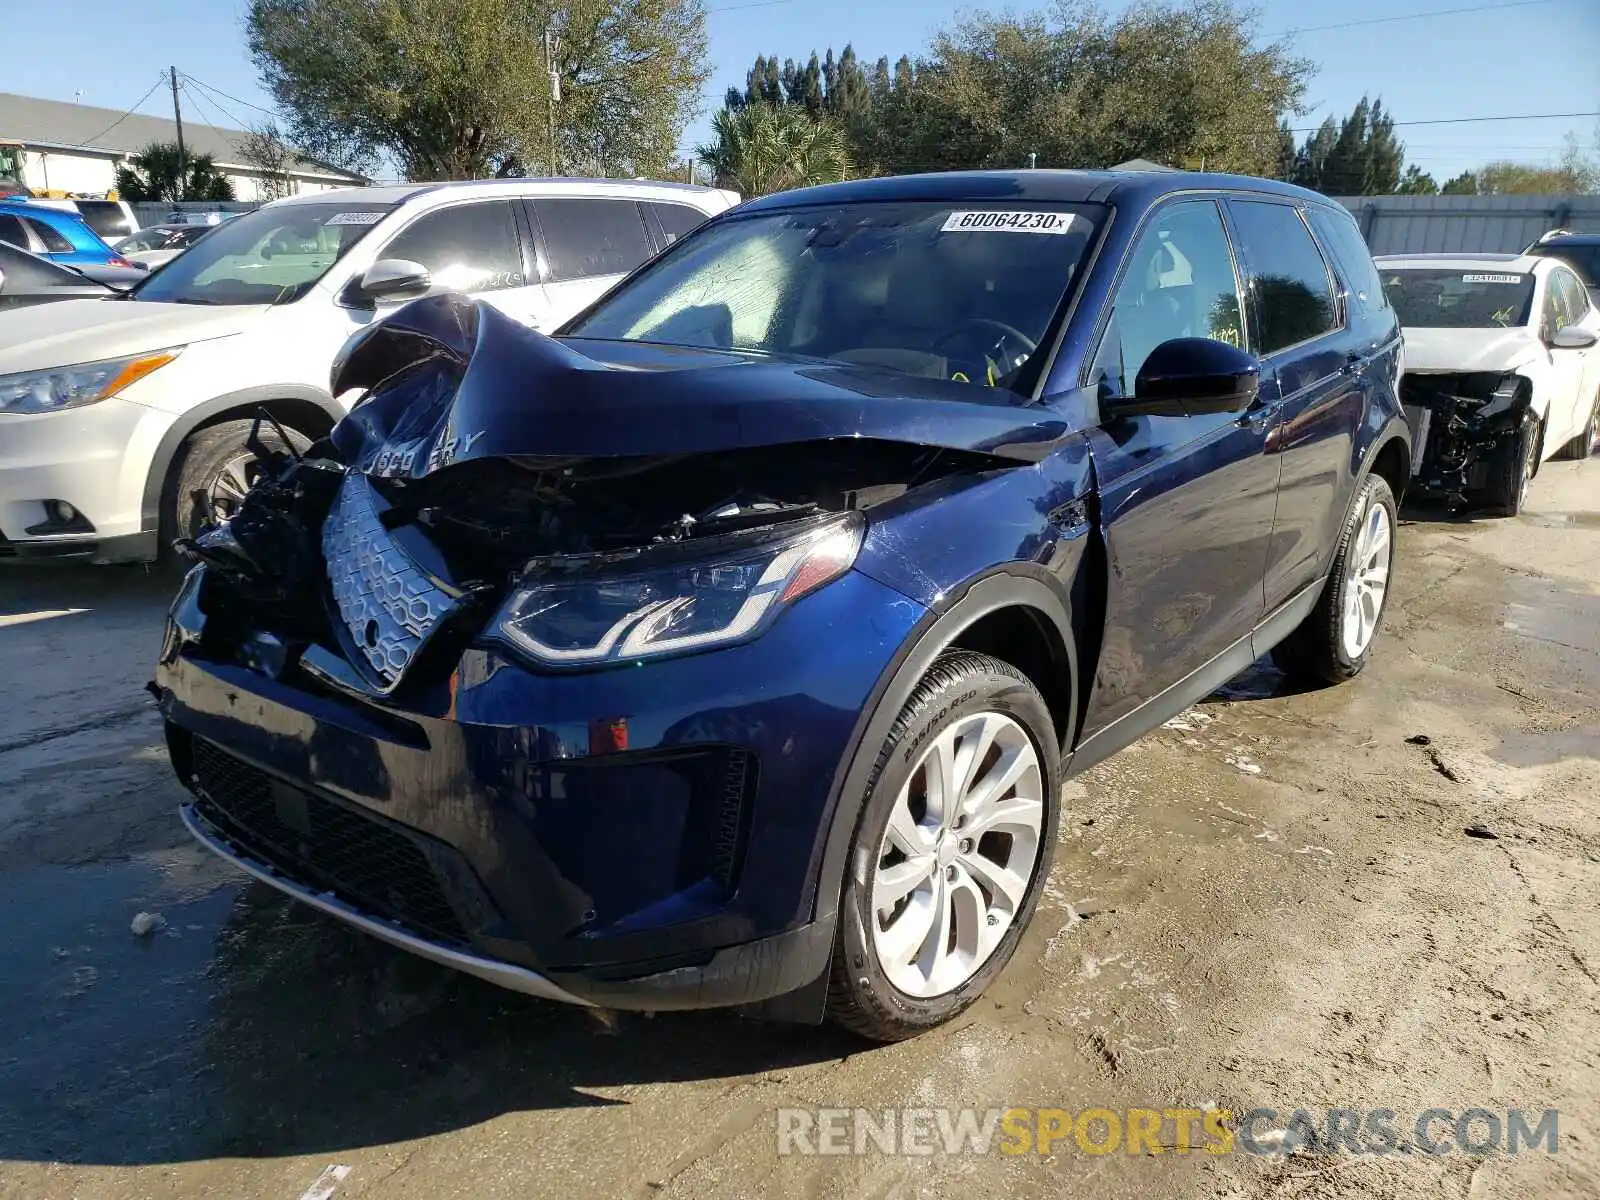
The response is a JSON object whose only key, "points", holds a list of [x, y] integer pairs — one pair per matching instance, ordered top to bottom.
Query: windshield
{"points": [[271, 256], [952, 291], [1476, 299]]}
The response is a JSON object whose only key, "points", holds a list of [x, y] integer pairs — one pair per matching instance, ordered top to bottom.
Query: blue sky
{"points": [[1531, 58]]}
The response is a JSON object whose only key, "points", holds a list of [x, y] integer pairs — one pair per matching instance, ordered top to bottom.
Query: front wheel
{"points": [[1513, 469], [213, 471], [1333, 643], [950, 852]]}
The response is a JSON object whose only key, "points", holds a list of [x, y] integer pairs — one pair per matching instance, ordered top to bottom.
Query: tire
{"points": [[1580, 447], [213, 463], [1512, 470], [1321, 650], [963, 699]]}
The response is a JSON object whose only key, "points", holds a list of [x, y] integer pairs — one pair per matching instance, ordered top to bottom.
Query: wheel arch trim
{"points": [[1015, 585]]}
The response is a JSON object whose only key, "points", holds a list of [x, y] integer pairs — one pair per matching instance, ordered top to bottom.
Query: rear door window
{"points": [[677, 220], [585, 238], [52, 241], [466, 248], [1288, 278]]}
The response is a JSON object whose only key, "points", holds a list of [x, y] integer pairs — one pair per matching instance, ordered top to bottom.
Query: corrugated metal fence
{"points": [[1506, 224]]}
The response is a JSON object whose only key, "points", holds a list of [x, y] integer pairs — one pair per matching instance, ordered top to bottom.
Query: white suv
{"points": [[124, 423]]}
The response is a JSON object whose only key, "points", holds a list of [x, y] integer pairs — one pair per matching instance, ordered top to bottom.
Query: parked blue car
{"points": [[55, 234], [730, 647]]}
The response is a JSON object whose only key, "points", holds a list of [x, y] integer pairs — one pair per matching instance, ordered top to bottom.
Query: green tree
{"points": [[1170, 82], [802, 86], [457, 89], [761, 149], [159, 172], [1417, 182], [1464, 184]]}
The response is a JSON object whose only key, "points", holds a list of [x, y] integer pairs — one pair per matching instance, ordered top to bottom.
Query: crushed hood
{"points": [[76, 331], [1469, 349], [452, 380]]}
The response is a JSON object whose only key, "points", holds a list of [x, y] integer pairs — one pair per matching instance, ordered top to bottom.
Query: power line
{"points": [[742, 7], [1438, 12], [160, 79], [187, 80], [218, 91], [195, 97], [1567, 116]]}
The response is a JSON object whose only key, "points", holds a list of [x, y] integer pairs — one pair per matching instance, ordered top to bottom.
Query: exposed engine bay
{"points": [[1466, 431], [349, 557]]}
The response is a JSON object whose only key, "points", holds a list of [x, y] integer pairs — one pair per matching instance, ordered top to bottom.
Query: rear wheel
{"points": [[1582, 446], [212, 473], [1332, 644], [950, 852]]}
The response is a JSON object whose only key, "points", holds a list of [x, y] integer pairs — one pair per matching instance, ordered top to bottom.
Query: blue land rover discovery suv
{"points": [[730, 647]]}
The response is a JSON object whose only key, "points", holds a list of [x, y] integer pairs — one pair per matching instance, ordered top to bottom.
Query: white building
{"points": [[75, 149]]}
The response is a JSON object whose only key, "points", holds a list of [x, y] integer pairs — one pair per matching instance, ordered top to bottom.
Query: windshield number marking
{"points": [[354, 218], [990, 221], [1512, 279]]}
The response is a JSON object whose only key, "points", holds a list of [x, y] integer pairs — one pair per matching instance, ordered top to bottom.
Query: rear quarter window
{"points": [[106, 218], [1340, 237]]}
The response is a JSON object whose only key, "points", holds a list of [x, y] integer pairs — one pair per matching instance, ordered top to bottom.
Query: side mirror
{"points": [[391, 280], [2, 281], [1572, 337], [1186, 377]]}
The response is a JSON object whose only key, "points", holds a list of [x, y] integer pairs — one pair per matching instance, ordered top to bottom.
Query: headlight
{"points": [[56, 388], [674, 598]]}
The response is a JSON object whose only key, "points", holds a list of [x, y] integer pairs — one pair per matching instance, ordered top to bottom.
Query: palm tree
{"points": [[762, 148], [156, 171]]}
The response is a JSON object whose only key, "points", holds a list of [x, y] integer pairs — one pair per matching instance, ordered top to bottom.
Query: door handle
{"points": [[1353, 362], [1256, 414]]}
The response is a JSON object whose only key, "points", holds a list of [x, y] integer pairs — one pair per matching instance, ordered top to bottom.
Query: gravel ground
{"points": [[1272, 902]]}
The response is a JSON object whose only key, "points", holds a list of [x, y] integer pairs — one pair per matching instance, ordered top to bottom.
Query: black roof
{"points": [[1062, 187], [1566, 239]]}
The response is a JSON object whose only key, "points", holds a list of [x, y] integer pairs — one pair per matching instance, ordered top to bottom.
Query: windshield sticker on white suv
{"points": [[354, 218], [1008, 222], [1491, 279]]}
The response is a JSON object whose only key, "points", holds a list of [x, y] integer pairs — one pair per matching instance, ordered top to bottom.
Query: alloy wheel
{"points": [[233, 481], [1367, 580], [958, 854]]}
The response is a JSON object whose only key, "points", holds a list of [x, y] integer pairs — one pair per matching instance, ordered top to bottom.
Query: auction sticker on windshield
{"points": [[356, 218], [1008, 222], [1491, 279]]}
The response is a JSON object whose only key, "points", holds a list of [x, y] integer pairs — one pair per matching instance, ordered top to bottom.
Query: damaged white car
{"points": [[1502, 371]]}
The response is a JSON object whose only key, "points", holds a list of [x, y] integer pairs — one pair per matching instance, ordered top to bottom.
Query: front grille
{"points": [[387, 602], [359, 857]]}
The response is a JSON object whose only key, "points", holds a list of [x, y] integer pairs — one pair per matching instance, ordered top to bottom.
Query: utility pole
{"points": [[555, 93], [177, 116]]}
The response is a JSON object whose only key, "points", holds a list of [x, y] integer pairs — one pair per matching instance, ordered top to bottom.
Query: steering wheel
{"points": [[994, 352]]}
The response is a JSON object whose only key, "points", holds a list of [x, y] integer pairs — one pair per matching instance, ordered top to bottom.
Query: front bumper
{"points": [[94, 458], [644, 837]]}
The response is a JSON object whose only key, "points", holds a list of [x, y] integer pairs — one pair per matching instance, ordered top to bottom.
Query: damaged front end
{"points": [[1468, 430], [495, 484]]}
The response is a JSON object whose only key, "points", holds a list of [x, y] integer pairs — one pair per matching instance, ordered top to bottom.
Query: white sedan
{"points": [[1502, 371]]}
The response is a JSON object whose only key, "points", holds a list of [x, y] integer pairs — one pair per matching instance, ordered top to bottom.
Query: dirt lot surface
{"points": [[1272, 902]]}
